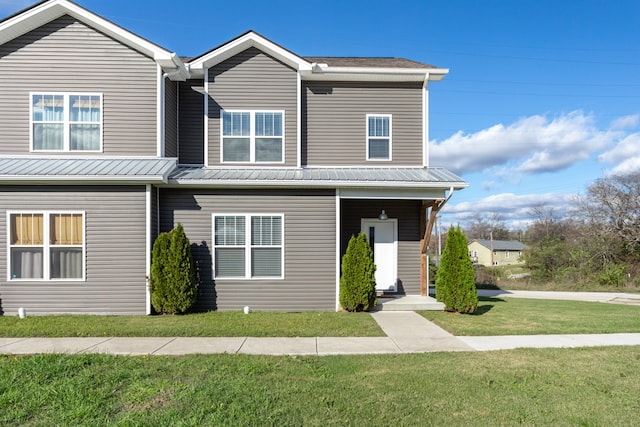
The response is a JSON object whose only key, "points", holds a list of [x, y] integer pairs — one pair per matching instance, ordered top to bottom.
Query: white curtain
{"points": [[26, 263], [66, 263]]}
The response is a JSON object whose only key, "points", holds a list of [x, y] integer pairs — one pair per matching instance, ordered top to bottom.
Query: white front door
{"points": [[382, 236]]}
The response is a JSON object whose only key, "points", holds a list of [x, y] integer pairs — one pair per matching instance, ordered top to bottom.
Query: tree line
{"points": [[596, 243]]}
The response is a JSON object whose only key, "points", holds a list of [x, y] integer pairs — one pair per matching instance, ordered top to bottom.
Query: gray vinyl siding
{"points": [[68, 56], [253, 80], [170, 118], [191, 122], [334, 122], [407, 213], [115, 223], [309, 246]]}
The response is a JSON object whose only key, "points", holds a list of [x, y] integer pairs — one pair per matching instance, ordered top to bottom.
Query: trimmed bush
{"points": [[173, 282], [358, 282], [455, 285]]}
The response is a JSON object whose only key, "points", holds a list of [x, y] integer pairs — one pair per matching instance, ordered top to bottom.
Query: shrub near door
{"points": [[173, 281], [358, 282]]}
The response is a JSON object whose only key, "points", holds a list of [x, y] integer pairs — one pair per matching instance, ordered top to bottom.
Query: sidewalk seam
{"points": [[19, 339], [94, 345], [164, 345], [241, 345]]}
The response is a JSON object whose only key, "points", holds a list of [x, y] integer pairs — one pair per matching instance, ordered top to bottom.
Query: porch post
{"points": [[425, 231], [423, 255]]}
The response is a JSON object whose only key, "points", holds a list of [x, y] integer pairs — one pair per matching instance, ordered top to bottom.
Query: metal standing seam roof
{"points": [[360, 61], [45, 168], [396, 177], [502, 245]]}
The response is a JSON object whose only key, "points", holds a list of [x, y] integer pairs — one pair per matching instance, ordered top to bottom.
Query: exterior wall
{"points": [[67, 56], [253, 80], [170, 118], [191, 122], [334, 122], [408, 214], [309, 246], [115, 251], [484, 254], [500, 257], [507, 257]]}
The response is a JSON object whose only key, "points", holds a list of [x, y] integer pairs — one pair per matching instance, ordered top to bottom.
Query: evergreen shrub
{"points": [[173, 282], [358, 282], [455, 285]]}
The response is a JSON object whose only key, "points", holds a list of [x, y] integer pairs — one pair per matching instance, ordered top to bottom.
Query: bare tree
{"points": [[614, 203], [546, 224], [481, 227]]}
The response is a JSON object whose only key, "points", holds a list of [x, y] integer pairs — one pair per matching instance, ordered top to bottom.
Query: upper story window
{"points": [[66, 122], [252, 136], [379, 137], [46, 245]]}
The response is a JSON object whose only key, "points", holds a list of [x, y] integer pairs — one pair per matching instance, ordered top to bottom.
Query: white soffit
{"points": [[46, 12]]}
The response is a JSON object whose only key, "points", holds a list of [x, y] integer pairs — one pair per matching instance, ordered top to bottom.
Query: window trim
{"points": [[66, 123], [252, 136], [390, 137], [46, 245], [248, 246]]}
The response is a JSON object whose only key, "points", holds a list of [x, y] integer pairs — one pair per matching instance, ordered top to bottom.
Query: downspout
{"points": [[425, 122], [148, 248]]}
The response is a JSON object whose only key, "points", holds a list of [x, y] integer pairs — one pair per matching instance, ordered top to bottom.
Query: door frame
{"points": [[393, 221]]}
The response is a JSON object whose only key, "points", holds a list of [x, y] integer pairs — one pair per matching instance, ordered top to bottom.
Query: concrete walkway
{"points": [[407, 332]]}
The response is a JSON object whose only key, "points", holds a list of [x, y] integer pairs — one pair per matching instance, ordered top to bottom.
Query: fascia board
{"points": [[46, 12], [242, 43], [326, 73], [81, 180], [320, 184]]}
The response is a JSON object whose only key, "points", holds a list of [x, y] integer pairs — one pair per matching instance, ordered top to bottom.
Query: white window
{"points": [[66, 122], [253, 136], [378, 137], [46, 246], [248, 246]]}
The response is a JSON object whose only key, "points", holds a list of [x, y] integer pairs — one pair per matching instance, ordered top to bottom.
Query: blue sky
{"points": [[542, 97]]}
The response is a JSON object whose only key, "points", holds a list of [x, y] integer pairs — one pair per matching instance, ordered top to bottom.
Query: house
{"points": [[270, 160], [496, 252]]}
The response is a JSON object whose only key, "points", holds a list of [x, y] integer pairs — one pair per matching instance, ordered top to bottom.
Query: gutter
{"points": [[319, 183]]}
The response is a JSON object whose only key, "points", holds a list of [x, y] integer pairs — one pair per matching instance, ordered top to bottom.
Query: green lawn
{"points": [[518, 316], [213, 324], [559, 387]]}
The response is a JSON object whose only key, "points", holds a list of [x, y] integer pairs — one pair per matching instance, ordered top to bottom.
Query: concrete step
{"points": [[408, 303]]}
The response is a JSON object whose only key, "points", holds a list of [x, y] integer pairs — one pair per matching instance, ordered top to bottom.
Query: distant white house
{"points": [[496, 252]]}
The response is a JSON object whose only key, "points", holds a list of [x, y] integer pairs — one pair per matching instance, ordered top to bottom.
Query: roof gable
{"points": [[49, 10], [240, 44], [321, 68]]}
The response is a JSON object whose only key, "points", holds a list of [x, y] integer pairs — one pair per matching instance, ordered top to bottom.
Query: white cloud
{"points": [[626, 122], [531, 145], [625, 156], [513, 209]]}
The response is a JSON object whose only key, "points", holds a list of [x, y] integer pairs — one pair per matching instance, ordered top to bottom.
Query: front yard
{"points": [[516, 316], [559, 387]]}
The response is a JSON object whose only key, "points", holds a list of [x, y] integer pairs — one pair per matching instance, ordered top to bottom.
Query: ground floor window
{"points": [[46, 245], [248, 246]]}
